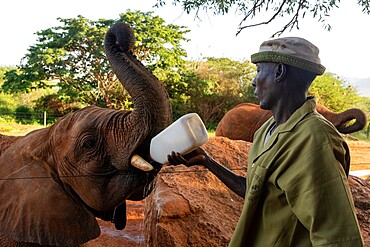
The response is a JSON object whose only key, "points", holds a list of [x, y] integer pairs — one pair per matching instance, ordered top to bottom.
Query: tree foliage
{"points": [[269, 9], [70, 58], [3, 70], [213, 86], [334, 93], [23, 114]]}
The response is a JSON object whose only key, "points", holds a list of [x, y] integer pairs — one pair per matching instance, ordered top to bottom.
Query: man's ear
{"points": [[280, 72]]}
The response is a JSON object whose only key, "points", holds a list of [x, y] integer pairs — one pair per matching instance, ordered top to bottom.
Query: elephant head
{"points": [[242, 121], [56, 180]]}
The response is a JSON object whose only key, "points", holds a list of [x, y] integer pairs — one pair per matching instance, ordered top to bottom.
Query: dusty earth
{"points": [[180, 219]]}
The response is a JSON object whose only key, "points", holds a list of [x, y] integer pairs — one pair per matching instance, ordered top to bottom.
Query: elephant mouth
{"points": [[151, 168], [145, 179], [148, 179], [144, 183], [117, 216]]}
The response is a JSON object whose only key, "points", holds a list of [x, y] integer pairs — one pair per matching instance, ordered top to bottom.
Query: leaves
{"points": [[269, 9], [70, 58], [213, 86], [334, 93]]}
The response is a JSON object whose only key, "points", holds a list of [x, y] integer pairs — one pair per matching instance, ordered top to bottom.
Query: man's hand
{"points": [[196, 157]]}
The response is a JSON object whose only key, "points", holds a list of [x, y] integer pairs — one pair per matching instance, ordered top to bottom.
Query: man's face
{"points": [[266, 85]]}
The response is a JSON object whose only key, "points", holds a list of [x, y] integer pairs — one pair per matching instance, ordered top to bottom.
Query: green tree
{"points": [[296, 9], [158, 46], [70, 58], [3, 70], [215, 85], [334, 93], [7, 102], [23, 114]]}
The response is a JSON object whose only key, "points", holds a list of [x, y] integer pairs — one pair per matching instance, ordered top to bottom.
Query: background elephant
{"points": [[242, 121], [56, 180]]}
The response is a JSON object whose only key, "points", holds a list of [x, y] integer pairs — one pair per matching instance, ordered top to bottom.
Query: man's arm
{"points": [[233, 181]]}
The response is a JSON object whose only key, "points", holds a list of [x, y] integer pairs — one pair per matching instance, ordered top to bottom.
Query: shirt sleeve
{"points": [[317, 191]]}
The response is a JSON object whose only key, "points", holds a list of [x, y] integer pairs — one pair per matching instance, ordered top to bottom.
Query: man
{"points": [[296, 191]]}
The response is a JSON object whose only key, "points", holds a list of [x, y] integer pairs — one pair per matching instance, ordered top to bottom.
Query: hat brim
{"points": [[276, 57]]}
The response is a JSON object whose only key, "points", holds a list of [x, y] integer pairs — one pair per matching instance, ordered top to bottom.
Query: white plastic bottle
{"points": [[182, 136]]}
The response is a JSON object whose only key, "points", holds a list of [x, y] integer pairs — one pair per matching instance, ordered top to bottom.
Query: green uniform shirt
{"points": [[297, 188]]}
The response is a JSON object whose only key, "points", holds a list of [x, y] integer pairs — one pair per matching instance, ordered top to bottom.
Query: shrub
{"points": [[23, 114]]}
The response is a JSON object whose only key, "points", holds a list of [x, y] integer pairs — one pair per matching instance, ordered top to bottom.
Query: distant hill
{"points": [[362, 85]]}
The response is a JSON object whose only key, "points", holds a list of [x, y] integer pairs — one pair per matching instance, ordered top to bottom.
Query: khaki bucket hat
{"points": [[294, 51]]}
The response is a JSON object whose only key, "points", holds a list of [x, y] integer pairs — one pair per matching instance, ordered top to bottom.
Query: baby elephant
{"points": [[56, 180]]}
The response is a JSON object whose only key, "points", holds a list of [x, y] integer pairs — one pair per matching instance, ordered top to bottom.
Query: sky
{"points": [[344, 51]]}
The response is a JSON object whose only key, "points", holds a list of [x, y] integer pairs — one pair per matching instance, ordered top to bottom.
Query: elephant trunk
{"points": [[152, 109], [343, 121], [346, 126]]}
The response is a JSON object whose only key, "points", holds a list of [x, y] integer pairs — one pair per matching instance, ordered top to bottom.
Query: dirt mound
{"points": [[361, 193], [191, 207]]}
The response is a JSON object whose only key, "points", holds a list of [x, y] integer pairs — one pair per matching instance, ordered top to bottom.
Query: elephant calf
{"points": [[56, 180]]}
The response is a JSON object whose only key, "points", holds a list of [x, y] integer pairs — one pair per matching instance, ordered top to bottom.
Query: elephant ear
{"points": [[35, 207]]}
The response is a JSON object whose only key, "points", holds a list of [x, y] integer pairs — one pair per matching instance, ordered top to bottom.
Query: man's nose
{"points": [[254, 82]]}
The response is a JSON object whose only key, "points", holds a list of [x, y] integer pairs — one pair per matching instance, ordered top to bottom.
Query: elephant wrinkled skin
{"points": [[242, 121], [56, 180]]}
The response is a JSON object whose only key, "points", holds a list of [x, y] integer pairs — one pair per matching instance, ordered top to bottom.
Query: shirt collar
{"points": [[308, 107]]}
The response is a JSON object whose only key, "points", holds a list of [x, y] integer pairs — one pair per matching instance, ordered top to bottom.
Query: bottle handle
{"points": [[193, 121]]}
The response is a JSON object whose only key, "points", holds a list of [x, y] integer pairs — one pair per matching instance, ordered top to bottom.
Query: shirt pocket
{"points": [[256, 185]]}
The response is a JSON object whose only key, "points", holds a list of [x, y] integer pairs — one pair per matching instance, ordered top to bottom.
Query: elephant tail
{"points": [[347, 125]]}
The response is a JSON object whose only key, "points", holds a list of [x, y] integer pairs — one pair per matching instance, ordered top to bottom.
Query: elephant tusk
{"points": [[141, 163]]}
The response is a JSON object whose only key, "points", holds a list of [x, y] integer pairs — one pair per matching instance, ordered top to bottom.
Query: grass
{"points": [[15, 129], [362, 135]]}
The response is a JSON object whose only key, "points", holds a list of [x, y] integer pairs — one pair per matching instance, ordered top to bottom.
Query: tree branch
{"points": [[293, 21], [261, 23]]}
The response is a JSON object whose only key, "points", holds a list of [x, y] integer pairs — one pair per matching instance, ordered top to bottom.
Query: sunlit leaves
{"points": [[70, 58], [213, 86], [334, 92]]}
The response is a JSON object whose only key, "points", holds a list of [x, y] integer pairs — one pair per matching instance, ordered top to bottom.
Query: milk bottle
{"points": [[182, 136]]}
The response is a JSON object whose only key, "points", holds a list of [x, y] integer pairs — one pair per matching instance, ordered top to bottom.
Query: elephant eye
{"points": [[90, 142]]}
